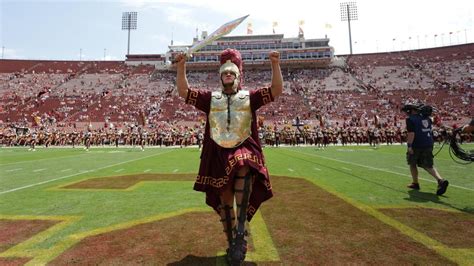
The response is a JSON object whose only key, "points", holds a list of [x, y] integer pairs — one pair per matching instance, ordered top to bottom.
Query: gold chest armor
{"points": [[230, 133]]}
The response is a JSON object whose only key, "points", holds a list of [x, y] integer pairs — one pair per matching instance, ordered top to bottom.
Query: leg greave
{"points": [[227, 221], [239, 245]]}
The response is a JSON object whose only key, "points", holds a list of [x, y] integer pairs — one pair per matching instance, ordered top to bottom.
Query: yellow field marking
{"points": [[142, 183], [61, 187], [130, 188], [412, 206], [138, 222], [263, 244], [263, 248], [25, 249], [45, 256], [459, 256]]}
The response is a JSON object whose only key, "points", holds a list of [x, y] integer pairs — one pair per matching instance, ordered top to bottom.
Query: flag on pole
{"points": [[301, 23], [274, 25], [249, 28], [221, 31]]}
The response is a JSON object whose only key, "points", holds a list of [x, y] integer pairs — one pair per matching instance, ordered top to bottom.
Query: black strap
{"points": [[228, 112], [243, 207], [225, 220], [228, 221]]}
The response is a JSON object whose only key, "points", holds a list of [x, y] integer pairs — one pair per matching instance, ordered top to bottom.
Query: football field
{"points": [[339, 205]]}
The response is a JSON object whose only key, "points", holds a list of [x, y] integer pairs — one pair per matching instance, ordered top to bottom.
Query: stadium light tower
{"points": [[348, 13], [129, 22]]}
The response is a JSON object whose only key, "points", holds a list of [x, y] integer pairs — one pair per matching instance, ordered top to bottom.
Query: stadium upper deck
{"points": [[295, 52]]}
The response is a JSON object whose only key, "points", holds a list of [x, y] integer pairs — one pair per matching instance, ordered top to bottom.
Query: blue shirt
{"points": [[422, 128]]}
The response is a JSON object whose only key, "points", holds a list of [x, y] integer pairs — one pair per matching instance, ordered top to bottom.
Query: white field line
{"points": [[53, 158], [345, 168], [317, 169], [378, 169], [13, 170], [39, 170], [65, 170], [119, 170], [147, 170], [175, 170], [291, 170], [63, 177]]}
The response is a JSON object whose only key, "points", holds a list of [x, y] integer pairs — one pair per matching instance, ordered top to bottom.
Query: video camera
{"points": [[423, 109]]}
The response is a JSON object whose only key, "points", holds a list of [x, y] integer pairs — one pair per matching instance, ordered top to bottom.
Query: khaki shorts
{"points": [[422, 157]]}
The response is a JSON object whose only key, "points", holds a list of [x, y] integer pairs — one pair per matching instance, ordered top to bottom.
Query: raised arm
{"points": [[277, 78], [181, 79]]}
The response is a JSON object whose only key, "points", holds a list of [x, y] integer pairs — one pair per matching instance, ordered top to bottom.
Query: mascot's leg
{"points": [[242, 193], [227, 214], [227, 219]]}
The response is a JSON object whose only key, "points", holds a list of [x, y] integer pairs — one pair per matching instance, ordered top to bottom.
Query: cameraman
{"points": [[420, 145]]}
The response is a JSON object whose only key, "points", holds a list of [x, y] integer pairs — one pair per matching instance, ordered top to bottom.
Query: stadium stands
{"points": [[369, 90]]}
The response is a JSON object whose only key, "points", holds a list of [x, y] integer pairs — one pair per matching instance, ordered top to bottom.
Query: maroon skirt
{"points": [[219, 165]]}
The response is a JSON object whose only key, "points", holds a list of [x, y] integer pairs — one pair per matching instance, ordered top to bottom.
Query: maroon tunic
{"points": [[218, 165]]}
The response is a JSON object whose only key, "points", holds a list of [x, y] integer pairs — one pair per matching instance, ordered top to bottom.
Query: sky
{"points": [[91, 29]]}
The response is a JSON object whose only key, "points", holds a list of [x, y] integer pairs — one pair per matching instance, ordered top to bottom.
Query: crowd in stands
{"points": [[367, 92], [166, 135]]}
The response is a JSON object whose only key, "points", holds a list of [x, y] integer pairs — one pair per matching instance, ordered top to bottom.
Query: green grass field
{"points": [[356, 191]]}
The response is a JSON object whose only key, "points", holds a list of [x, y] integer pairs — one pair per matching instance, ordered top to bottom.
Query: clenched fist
{"points": [[274, 56], [180, 59]]}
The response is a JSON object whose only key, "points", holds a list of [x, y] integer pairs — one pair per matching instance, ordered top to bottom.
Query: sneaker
{"points": [[415, 186], [442, 186]]}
